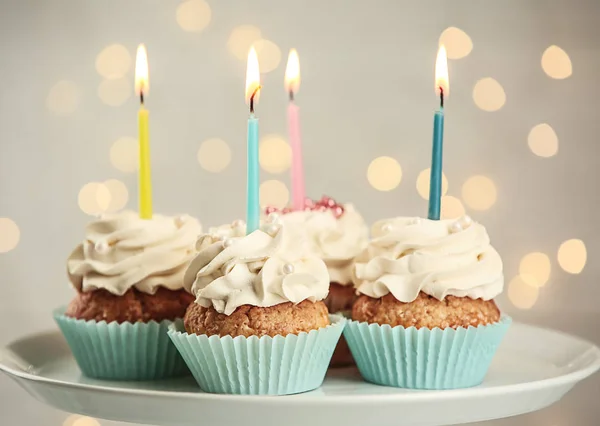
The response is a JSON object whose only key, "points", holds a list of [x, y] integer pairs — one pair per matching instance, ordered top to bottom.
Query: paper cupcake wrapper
{"points": [[126, 351], [424, 358], [259, 365]]}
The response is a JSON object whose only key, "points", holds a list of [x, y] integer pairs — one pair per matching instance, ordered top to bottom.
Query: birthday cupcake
{"points": [[336, 233], [128, 274], [426, 316], [259, 324]]}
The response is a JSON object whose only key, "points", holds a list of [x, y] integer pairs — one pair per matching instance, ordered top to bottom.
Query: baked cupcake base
{"points": [[340, 300], [133, 306], [426, 311], [247, 321], [256, 365]]}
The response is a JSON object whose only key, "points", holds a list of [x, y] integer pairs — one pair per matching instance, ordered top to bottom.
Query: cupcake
{"points": [[336, 233], [128, 274], [425, 317], [259, 324]]}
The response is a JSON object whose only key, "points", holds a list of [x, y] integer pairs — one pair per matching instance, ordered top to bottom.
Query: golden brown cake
{"points": [[129, 269], [428, 273], [266, 283], [340, 299], [133, 306], [426, 311], [281, 319]]}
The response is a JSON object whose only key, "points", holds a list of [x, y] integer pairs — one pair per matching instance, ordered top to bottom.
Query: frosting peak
{"points": [[335, 239], [122, 251], [437, 257], [267, 267]]}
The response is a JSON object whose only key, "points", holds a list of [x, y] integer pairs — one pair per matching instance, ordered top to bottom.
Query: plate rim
{"points": [[414, 395]]}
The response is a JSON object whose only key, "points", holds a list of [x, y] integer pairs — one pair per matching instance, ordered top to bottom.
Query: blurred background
{"points": [[521, 149]]}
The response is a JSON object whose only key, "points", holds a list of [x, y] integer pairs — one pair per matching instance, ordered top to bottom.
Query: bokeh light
{"points": [[193, 15], [240, 40], [458, 44], [269, 55], [113, 62], [556, 63], [115, 92], [489, 95], [63, 98], [542, 141], [124, 154], [275, 154], [214, 155], [384, 173], [423, 183], [479, 192], [274, 193], [119, 195], [94, 198], [451, 207], [9, 234], [572, 256], [534, 269], [521, 294], [71, 419], [78, 420], [86, 421]]}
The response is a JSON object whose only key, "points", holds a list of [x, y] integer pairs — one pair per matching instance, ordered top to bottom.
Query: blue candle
{"points": [[252, 175], [435, 180], [252, 194]]}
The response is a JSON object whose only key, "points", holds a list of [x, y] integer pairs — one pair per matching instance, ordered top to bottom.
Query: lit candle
{"points": [[292, 84], [442, 88], [252, 94], [145, 176]]}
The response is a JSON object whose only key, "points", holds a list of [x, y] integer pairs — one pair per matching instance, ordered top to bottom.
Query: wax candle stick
{"points": [[292, 84], [145, 175], [252, 179], [435, 181], [435, 185]]}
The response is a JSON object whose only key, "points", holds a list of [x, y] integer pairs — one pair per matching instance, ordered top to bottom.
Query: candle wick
{"points": [[291, 96], [141, 97], [441, 97], [252, 99]]}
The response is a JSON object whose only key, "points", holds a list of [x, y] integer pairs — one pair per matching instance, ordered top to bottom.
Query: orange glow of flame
{"points": [[292, 72], [441, 73], [252, 76], [142, 84]]}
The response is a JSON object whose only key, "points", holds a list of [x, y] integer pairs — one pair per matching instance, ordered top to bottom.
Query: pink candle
{"points": [[292, 83]]}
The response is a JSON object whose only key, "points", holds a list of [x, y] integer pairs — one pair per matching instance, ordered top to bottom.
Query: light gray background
{"points": [[366, 92]]}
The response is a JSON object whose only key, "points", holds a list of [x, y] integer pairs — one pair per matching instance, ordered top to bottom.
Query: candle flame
{"points": [[292, 73], [441, 73], [252, 76], [142, 83]]}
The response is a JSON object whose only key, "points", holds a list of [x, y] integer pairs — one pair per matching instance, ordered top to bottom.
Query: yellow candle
{"points": [[145, 175], [145, 182]]}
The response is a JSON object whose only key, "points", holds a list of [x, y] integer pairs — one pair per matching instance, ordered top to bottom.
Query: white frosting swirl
{"points": [[336, 241], [122, 251], [437, 257], [260, 269]]}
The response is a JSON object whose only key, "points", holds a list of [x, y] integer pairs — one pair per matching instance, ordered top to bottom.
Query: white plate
{"points": [[534, 368]]}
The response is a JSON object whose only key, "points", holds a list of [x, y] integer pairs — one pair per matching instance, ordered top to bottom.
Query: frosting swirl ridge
{"points": [[335, 240], [122, 251], [437, 257], [267, 267]]}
